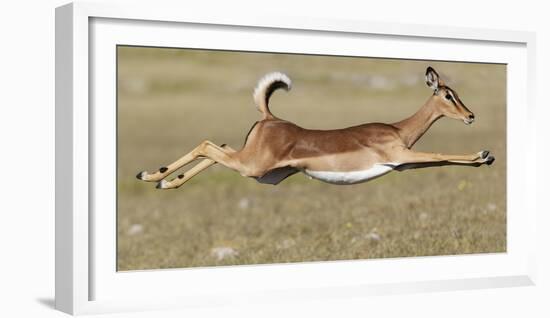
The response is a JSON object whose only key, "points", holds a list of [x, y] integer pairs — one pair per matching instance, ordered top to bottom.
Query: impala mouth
{"points": [[469, 120]]}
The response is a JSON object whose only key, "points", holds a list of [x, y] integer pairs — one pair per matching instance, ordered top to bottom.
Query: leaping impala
{"points": [[275, 148]]}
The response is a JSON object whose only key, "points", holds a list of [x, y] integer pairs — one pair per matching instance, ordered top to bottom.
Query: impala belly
{"points": [[352, 177]]}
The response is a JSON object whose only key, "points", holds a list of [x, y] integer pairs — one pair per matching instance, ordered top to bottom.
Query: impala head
{"points": [[446, 99]]}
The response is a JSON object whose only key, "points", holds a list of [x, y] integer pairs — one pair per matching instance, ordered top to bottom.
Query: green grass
{"points": [[170, 100]]}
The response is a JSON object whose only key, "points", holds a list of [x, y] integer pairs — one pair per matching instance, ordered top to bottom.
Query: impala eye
{"points": [[448, 96]]}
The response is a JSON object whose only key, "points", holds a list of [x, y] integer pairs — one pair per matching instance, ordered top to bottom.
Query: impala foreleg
{"points": [[409, 159]]}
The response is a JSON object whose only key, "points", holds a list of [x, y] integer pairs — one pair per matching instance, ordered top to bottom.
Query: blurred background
{"points": [[169, 100]]}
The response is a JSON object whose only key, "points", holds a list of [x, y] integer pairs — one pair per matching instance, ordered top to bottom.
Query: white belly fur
{"points": [[352, 177]]}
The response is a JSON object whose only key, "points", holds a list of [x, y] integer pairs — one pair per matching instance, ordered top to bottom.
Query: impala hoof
{"points": [[484, 154], [489, 161], [141, 175]]}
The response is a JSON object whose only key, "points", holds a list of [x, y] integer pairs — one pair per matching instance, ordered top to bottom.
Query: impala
{"points": [[275, 148]]}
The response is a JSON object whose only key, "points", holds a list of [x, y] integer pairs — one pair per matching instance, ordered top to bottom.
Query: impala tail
{"points": [[266, 86]]}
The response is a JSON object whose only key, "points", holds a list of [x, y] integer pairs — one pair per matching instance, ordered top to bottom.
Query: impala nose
{"points": [[470, 119]]}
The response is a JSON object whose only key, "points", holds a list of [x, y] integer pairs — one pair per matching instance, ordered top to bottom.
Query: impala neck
{"points": [[412, 128]]}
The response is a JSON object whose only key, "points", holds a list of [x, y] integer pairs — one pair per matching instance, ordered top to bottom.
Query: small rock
{"points": [[244, 203], [135, 229], [372, 236], [287, 243], [223, 252]]}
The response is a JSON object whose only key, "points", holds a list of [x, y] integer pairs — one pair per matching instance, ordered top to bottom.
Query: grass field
{"points": [[170, 100]]}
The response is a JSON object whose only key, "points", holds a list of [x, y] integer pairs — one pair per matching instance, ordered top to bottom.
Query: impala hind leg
{"points": [[409, 159], [164, 171], [183, 178]]}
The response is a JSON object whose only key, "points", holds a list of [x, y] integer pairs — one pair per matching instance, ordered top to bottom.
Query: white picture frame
{"points": [[86, 280]]}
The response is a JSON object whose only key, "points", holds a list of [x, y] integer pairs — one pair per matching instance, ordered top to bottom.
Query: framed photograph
{"points": [[205, 159]]}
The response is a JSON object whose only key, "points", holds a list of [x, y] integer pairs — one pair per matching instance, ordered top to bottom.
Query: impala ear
{"points": [[432, 79]]}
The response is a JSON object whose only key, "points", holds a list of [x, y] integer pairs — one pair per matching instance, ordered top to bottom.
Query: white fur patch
{"points": [[266, 81], [352, 177]]}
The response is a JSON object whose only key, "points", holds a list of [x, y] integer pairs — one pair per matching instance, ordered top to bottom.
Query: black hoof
{"points": [[484, 154], [490, 160], [163, 169], [140, 175], [180, 176], [159, 186]]}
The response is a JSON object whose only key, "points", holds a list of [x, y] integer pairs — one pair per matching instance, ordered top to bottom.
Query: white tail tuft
{"points": [[266, 86]]}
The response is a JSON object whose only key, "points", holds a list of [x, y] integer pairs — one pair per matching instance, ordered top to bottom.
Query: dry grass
{"points": [[171, 100]]}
